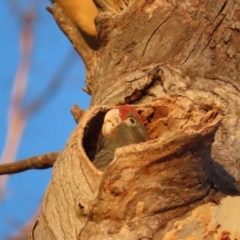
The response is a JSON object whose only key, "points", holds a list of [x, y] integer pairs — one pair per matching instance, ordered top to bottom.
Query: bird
{"points": [[82, 14], [127, 129]]}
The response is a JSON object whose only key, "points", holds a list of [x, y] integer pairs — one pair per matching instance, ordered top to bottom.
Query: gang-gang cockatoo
{"points": [[122, 126]]}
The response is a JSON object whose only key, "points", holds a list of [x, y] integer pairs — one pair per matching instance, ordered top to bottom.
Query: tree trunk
{"points": [[178, 63]]}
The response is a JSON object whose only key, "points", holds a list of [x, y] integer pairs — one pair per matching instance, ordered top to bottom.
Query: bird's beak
{"points": [[111, 120]]}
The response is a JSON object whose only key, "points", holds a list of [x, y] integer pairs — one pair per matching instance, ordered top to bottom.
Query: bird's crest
{"points": [[125, 111]]}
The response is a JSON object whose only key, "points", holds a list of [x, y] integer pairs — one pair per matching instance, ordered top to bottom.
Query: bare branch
{"points": [[71, 31], [80, 44], [37, 162]]}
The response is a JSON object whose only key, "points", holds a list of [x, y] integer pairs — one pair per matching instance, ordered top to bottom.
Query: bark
{"points": [[178, 62]]}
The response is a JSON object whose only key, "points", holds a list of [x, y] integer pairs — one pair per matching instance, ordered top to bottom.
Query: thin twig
{"points": [[53, 86], [77, 113], [17, 119], [37, 162]]}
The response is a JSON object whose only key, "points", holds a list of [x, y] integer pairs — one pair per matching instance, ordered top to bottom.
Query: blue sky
{"points": [[48, 129]]}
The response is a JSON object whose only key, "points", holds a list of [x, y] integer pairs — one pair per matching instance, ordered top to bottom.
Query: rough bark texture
{"points": [[179, 63]]}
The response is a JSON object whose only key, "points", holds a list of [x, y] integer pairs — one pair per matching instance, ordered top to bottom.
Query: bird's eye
{"points": [[131, 121]]}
